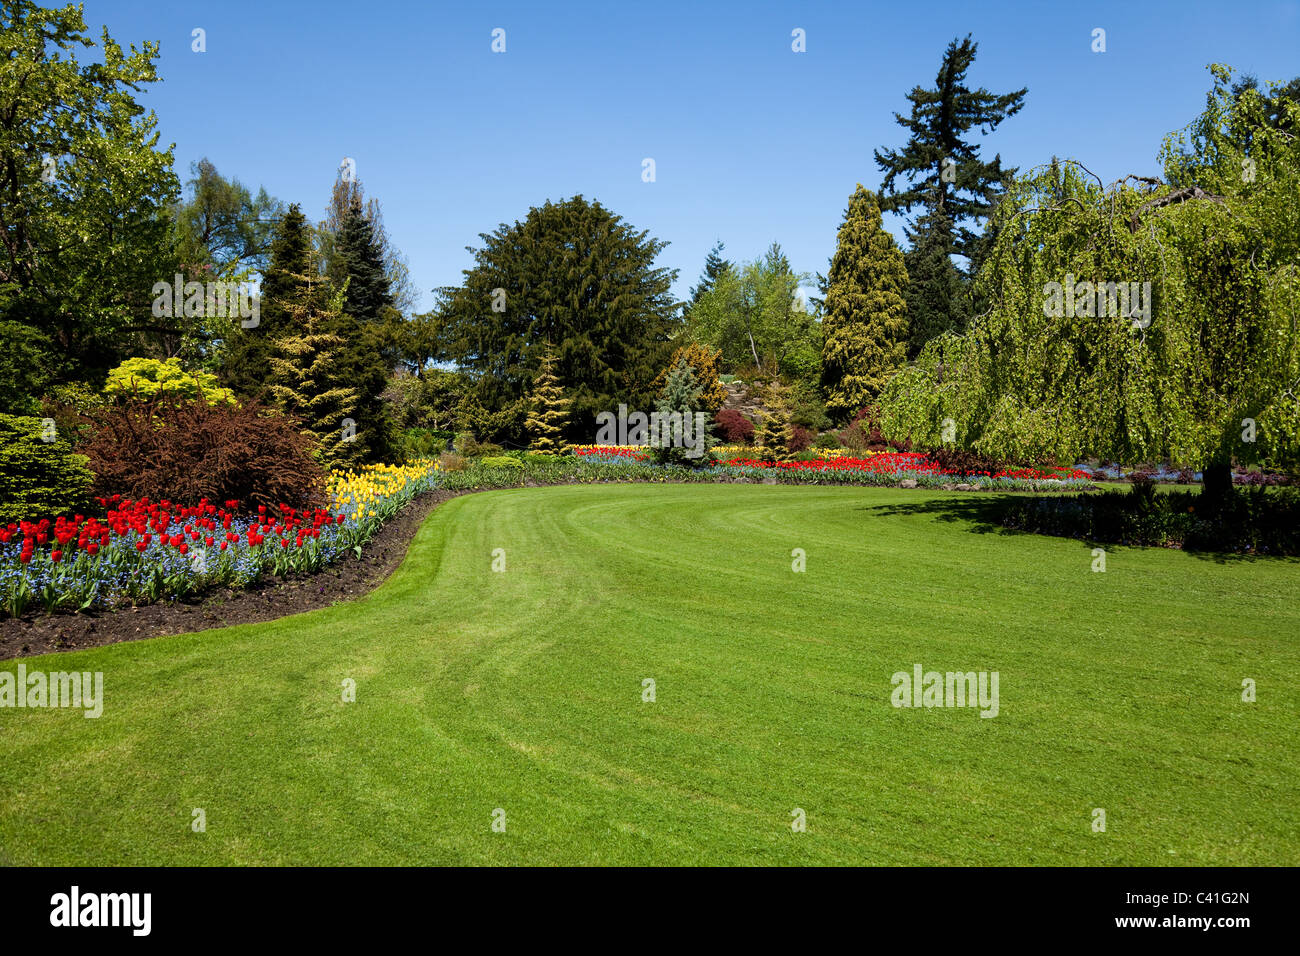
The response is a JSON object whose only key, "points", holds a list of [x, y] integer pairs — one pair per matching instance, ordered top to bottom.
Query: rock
{"points": [[769, 480], [907, 483], [948, 486], [965, 487]]}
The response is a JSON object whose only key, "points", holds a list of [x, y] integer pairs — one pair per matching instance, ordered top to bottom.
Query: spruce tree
{"points": [[358, 258], [714, 266], [363, 323], [865, 323], [246, 365], [307, 379], [682, 396], [549, 413]]}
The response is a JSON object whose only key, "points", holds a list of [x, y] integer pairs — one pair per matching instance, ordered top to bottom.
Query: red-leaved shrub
{"points": [[734, 427], [801, 438], [167, 448]]}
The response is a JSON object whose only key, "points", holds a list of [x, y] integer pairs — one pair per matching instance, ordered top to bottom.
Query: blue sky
{"points": [[752, 142]]}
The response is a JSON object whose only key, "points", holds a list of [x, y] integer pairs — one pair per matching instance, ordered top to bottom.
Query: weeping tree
{"points": [[1138, 321]]}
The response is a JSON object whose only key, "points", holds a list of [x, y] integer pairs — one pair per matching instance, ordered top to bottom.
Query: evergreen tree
{"points": [[943, 168], [949, 181], [358, 259], [714, 266], [572, 273], [938, 301], [364, 324], [865, 325], [246, 365], [307, 379], [679, 402], [549, 412], [774, 431]]}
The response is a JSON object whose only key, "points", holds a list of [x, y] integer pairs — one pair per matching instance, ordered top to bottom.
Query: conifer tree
{"points": [[952, 185], [714, 266], [362, 323], [865, 324], [246, 366], [308, 379], [679, 402], [549, 412], [774, 431]]}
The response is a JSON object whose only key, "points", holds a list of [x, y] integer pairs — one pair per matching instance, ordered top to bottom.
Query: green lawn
{"points": [[522, 690]]}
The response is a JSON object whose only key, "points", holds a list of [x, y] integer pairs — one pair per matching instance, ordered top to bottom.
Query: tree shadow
{"points": [[982, 514]]}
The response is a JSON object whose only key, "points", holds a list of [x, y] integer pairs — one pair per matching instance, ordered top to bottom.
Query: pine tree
{"points": [[943, 169], [938, 301], [865, 325], [246, 365], [307, 379], [549, 412], [774, 433]]}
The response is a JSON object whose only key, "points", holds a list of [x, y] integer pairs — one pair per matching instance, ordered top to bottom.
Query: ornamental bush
{"points": [[139, 378], [734, 427], [168, 448], [39, 474]]}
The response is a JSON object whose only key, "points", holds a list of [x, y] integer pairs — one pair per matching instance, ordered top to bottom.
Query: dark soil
{"points": [[40, 633]]}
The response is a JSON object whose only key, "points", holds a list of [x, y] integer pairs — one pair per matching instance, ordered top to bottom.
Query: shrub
{"points": [[704, 361], [142, 378], [734, 427], [800, 438], [829, 441], [417, 443], [167, 448], [502, 461], [958, 461], [451, 462], [38, 478], [1261, 521]]}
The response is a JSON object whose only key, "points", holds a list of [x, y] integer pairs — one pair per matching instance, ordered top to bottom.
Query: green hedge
{"points": [[38, 478]]}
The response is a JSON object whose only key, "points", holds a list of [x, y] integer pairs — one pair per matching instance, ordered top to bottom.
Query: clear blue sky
{"points": [[752, 142]]}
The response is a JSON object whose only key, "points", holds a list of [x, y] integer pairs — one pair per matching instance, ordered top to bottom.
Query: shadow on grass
{"points": [[982, 514]]}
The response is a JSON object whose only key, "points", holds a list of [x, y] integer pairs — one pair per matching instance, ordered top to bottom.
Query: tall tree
{"points": [[946, 178], [348, 191], [84, 201], [223, 227], [714, 266], [575, 274], [938, 299], [365, 324], [865, 325], [246, 361]]}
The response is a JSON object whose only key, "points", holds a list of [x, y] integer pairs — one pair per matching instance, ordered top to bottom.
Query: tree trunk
{"points": [[1216, 483]]}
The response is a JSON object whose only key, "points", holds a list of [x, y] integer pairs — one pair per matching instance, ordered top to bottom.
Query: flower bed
{"points": [[839, 467], [143, 551]]}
